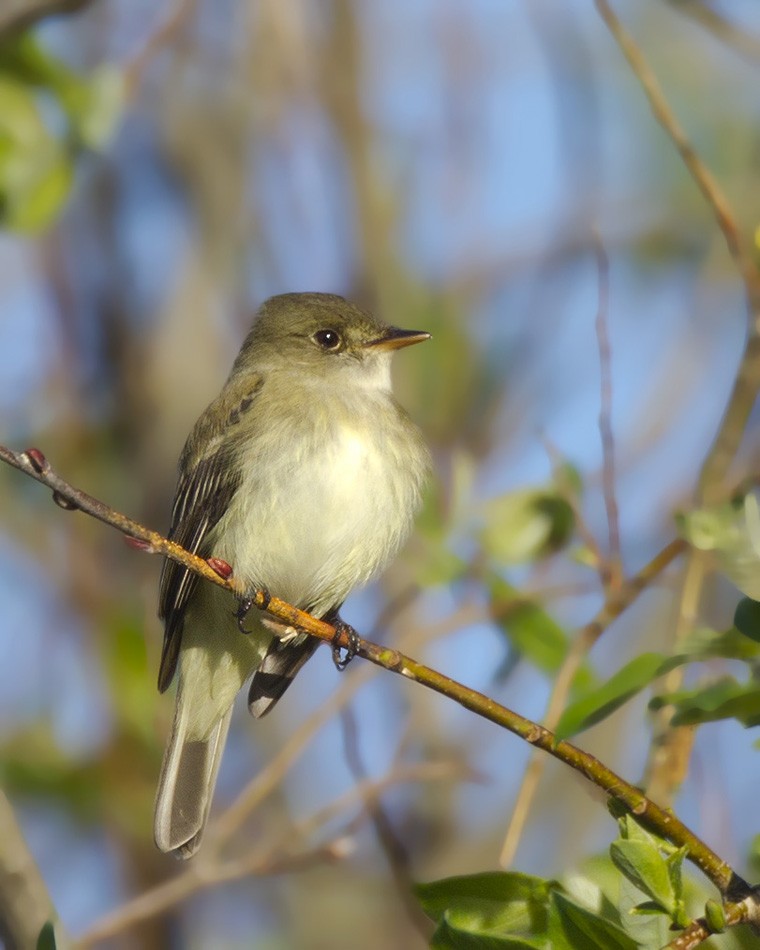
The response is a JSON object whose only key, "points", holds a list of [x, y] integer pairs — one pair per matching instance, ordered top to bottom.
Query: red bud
{"points": [[38, 460], [137, 543], [220, 567]]}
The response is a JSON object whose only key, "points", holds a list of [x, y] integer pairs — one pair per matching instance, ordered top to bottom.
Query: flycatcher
{"points": [[304, 474]]}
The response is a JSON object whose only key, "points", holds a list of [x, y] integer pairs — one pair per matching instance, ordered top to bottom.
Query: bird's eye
{"points": [[328, 339]]}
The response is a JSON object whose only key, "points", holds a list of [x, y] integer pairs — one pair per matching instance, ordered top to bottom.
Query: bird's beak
{"points": [[394, 338]]}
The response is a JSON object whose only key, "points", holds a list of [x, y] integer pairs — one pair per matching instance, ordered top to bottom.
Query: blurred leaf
{"points": [[92, 105], [36, 152], [35, 171], [569, 478], [524, 525], [732, 531], [438, 566], [747, 618], [533, 632], [704, 643], [131, 683], [724, 699], [602, 702], [33, 766], [582, 929], [46, 939]]}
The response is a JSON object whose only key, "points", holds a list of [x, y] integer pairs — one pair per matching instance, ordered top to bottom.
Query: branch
{"points": [[17, 15], [743, 42], [747, 380], [613, 570], [582, 643], [671, 747], [658, 820], [268, 858], [25, 905], [746, 911]]}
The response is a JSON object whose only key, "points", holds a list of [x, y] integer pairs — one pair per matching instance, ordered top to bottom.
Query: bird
{"points": [[304, 475]]}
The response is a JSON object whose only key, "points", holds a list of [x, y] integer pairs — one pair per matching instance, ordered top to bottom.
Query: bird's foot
{"points": [[244, 607], [341, 628]]}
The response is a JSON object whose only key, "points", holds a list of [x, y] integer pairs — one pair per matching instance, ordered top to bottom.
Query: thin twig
{"points": [[18, 15], [161, 37], [744, 42], [701, 174], [747, 381], [612, 563], [582, 643], [671, 748], [393, 847], [207, 870], [25, 904], [734, 913]]}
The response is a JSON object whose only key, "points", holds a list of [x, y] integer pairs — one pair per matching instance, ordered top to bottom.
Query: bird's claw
{"points": [[244, 607], [341, 628]]}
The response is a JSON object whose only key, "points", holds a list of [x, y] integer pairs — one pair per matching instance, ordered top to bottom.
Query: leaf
{"points": [[92, 105], [35, 171], [525, 525], [732, 531], [747, 618], [532, 631], [703, 643], [723, 699], [602, 702], [641, 862], [493, 909], [582, 929], [448, 936], [46, 939]]}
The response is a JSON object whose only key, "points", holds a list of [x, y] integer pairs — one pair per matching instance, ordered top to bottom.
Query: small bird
{"points": [[304, 474]]}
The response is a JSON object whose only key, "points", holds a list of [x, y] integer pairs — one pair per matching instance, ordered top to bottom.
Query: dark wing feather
{"points": [[208, 480], [203, 495]]}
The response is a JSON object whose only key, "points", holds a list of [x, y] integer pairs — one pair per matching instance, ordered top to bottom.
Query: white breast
{"points": [[329, 508]]}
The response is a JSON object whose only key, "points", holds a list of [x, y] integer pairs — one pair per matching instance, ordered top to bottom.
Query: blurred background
{"points": [[456, 166]]}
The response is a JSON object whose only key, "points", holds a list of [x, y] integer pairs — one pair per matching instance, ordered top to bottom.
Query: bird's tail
{"points": [[283, 660], [186, 784]]}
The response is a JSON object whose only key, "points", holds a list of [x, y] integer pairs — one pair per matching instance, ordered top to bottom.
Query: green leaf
{"points": [[92, 105], [35, 171], [525, 525], [732, 531], [747, 618], [533, 632], [732, 644], [723, 699], [602, 702], [641, 862], [486, 901], [582, 929], [448, 936], [46, 939]]}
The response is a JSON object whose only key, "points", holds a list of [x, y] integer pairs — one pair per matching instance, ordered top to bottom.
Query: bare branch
{"points": [[17, 15], [613, 568], [584, 640], [25, 905]]}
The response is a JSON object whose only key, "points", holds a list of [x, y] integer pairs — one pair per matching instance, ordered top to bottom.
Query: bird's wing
{"points": [[208, 480]]}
